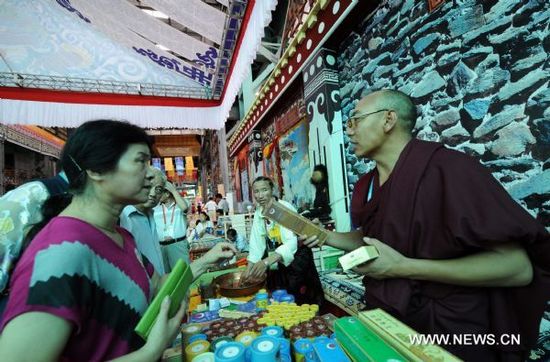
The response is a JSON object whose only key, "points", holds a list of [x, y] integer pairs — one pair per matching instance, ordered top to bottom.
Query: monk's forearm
{"points": [[346, 241], [505, 266]]}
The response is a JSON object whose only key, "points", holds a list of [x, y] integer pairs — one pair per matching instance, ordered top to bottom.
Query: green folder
{"points": [[175, 286]]}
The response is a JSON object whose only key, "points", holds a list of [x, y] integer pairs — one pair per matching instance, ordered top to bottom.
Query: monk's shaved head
{"points": [[397, 101]]}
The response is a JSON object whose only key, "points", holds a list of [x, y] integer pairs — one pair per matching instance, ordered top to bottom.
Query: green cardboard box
{"points": [[362, 344]]}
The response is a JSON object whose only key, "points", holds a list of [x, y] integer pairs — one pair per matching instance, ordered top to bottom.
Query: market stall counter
{"points": [[270, 327]]}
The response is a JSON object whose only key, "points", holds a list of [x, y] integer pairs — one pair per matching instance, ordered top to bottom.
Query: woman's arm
{"points": [[18, 341]]}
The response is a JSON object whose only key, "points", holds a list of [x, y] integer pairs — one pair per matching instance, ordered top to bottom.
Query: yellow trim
{"points": [[311, 20], [301, 36], [292, 50]]}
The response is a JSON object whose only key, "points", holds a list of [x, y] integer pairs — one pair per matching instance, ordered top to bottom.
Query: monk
{"points": [[458, 255]]}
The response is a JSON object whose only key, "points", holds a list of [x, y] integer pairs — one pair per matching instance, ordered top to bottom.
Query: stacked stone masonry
{"points": [[479, 73]]}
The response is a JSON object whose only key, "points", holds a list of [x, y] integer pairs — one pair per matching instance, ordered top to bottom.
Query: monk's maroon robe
{"points": [[442, 204]]}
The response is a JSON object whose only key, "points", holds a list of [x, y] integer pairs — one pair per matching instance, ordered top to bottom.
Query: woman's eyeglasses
{"points": [[356, 118]]}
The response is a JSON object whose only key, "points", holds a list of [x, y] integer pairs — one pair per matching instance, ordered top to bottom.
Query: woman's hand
{"points": [[219, 252], [164, 330]]}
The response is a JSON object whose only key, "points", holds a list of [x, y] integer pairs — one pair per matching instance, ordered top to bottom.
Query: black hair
{"points": [[97, 146], [323, 170], [264, 178], [219, 196], [205, 214], [231, 233]]}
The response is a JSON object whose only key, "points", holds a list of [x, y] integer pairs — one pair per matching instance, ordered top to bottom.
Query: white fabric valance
{"points": [[14, 111]]}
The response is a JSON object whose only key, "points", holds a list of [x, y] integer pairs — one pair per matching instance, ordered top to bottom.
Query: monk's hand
{"points": [[310, 241], [387, 265]]}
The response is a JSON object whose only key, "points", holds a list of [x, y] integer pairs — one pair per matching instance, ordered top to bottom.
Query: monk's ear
{"points": [[390, 122]]}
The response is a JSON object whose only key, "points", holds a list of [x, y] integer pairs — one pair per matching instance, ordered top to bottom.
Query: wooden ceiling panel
{"points": [[177, 145]]}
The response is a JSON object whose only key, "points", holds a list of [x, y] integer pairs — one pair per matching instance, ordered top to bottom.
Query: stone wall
{"points": [[479, 73]]}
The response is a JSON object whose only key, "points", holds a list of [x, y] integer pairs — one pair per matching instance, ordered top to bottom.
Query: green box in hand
{"points": [[175, 286]]}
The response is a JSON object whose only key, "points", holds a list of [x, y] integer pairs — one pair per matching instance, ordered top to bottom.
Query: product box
{"points": [[294, 221], [358, 257], [176, 287], [202, 317], [398, 335], [362, 344], [329, 351], [174, 354]]}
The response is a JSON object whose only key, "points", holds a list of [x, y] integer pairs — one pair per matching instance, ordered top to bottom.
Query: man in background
{"points": [[223, 205], [210, 208], [139, 220], [171, 222]]}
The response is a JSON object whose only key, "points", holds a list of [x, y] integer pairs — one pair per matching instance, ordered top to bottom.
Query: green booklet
{"points": [[175, 286]]}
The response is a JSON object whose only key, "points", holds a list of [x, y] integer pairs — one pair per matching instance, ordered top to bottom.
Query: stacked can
{"points": [[231, 327], [309, 329], [188, 331], [273, 331], [198, 337], [246, 338], [218, 342], [301, 347], [196, 348], [264, 349], [231, 352], [204, 357]]}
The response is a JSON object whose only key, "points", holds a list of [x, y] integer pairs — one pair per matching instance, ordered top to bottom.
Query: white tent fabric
{"points": [[195, 14], [123, 29], [49, 114], [71, 115]]}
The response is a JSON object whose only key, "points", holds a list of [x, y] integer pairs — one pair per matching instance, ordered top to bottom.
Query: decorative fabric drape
{"points": [[48, 114]]}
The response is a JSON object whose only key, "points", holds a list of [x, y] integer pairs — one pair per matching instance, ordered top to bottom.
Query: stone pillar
{"points": [[326, 138], [224, 160], [2, 166]]}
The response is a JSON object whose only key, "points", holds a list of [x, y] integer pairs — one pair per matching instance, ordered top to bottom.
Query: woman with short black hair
{"points": [[81, 286]]}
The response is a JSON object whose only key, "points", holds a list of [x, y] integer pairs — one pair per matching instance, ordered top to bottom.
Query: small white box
{"points": [[358, 256]]}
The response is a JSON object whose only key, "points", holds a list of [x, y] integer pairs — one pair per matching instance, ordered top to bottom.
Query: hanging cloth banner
{"points": [[155, 161], [168, 164], [179, 165], [189, 167]]}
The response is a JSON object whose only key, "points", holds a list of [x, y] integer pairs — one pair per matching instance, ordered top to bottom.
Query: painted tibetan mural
{"points": [[295, 170]]}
